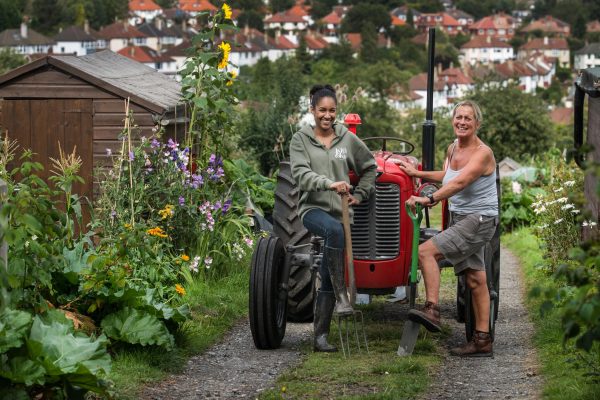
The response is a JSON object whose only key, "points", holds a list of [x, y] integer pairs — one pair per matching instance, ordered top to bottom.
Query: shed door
{"points": [[41, 125]]}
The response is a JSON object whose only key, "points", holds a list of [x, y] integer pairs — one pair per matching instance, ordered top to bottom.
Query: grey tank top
{"points": [[479, 197]]}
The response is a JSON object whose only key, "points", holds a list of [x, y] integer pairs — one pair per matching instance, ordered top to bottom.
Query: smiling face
{"points": [[324, 113], [464, 122]]}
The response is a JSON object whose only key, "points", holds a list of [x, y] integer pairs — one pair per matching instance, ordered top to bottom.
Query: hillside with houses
{"points": [[519, 45]]}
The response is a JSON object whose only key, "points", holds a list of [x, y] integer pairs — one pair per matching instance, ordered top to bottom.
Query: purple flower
{"points": [[154, 143], [173, 145], [131, 156], [211, 159], [197, 181], [181, 200], [217, 205], [226, 206]]}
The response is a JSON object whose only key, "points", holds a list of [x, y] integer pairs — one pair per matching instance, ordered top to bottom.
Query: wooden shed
{"points": [[80, 101]]}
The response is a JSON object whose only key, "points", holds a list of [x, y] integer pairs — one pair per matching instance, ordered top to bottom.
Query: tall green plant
{"points": [[207, 88]]}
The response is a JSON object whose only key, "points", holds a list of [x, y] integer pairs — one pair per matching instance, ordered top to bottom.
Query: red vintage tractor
{"points": [[284, 263]]}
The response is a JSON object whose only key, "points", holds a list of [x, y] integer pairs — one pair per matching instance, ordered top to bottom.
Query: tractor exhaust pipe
{"points": [[428, 143]]}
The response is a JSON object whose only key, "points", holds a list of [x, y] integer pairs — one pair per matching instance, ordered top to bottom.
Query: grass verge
{"points": [[215, 307], [380, 374], [561, 379]]}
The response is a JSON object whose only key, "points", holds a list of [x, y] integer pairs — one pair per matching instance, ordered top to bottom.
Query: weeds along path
{"points": [[233, 368], [512, 373]]}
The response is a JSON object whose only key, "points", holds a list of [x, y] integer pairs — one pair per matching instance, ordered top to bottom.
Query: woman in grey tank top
{"points": [[469, 184]]}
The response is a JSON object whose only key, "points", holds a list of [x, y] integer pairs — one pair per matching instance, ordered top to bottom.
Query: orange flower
{"points": [[157, 232], [185, 257], [179, 289]]}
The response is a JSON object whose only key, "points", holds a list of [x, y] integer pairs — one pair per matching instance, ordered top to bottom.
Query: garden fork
{"points": [[343, 321]]}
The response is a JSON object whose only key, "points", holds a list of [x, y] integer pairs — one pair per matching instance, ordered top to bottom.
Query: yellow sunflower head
{"points": [[226, 11]]}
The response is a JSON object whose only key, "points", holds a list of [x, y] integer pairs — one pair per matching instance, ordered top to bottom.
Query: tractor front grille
{"points": [[376, 229]]}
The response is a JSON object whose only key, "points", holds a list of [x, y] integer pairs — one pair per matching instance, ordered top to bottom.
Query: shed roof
{"points": [[114, 73]]}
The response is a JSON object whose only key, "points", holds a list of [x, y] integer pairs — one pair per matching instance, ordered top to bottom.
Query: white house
{"points": [[143, 11], [119, 35], [77, 40], [25, 41], [557, 48], [485, 50], [587, 57], [151, 58]]}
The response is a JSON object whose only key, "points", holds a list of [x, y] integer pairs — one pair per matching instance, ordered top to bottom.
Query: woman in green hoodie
{"points": [[321, 159]]}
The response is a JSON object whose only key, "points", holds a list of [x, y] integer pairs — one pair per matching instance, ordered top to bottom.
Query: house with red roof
{"points": [[194, 7], [143, 10], [401, 13], [464, 19], [442, 20], [289, 23], [331, 23], [500, 26], [549, 26], [592, 26], [120, 34], [78, 40], [315, 43], [556, 48], [485, 50], [151, 58], [527, 74], [457, 83]]}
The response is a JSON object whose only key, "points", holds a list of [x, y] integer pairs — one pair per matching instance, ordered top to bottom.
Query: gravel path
{"points": [[234, 368], [511, 374]]}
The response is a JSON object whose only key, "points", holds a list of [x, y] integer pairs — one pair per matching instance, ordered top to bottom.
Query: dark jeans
{"points": [[320, 223]]}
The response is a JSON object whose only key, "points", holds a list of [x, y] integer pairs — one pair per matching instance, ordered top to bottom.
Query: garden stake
{"points": [[343, 321], [411, 329]]}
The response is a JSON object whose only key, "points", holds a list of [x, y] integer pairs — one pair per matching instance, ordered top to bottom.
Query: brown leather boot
{"points": [[428, 316], [479, 346]]}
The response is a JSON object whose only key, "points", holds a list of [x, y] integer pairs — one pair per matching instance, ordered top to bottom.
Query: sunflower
{"points": [[226, 11], [225, 48], [232, 76]]}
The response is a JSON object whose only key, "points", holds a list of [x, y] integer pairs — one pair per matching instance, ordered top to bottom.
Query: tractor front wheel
{"points": [[268, 296]]}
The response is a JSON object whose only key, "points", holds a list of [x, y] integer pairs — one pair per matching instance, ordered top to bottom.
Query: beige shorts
{"points": [[463, 243]]}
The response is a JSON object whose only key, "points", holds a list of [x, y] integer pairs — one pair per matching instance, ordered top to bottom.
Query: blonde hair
{"points": [[474, 106]]}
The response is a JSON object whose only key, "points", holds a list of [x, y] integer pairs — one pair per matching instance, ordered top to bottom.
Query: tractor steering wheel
{"points": [[407, 146]]}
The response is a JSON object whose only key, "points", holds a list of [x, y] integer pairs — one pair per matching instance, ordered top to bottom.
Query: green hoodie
{"points": [[315, 168]]}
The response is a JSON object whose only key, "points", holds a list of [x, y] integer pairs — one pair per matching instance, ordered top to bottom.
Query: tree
{"points": [[281, 5], [362, 13], [11, 14], [252, 19], [368, 45], [303, 56], [9, 59], [274, 89], [515, 124]]}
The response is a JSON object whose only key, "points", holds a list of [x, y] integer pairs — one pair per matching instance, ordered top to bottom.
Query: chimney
{"points": [[158, 23], [86, 26], [246, 30], [24, 32], [277, 35], [266, 37], [488, 39], [545, 40], [388, 43], [131, 51], [451, 64], [511, 66]]}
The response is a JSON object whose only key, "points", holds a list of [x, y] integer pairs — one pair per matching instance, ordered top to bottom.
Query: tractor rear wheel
{"points": [[289, 228], [267, 299]]}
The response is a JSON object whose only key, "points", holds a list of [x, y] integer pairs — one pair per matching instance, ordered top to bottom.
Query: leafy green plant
{"points": [[516, 210], [557, 210]]}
